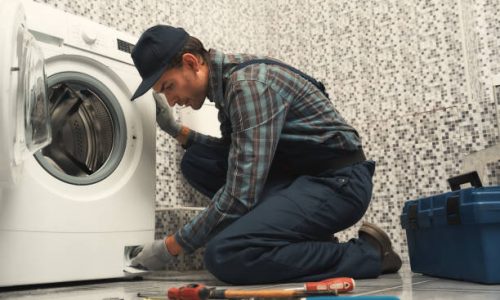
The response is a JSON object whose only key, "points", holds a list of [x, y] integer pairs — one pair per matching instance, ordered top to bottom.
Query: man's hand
{"points": [[164, 116], [154, 256]]}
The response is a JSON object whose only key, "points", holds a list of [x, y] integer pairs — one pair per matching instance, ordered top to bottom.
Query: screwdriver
{"points": [[329, 287], [201, 292]]}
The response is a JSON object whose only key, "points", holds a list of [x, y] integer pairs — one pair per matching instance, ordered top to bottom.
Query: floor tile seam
{"points": [[390, 288], [455, 290]]}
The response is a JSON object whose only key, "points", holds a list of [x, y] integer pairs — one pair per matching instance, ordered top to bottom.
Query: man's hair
{"points": [[193, 46]]}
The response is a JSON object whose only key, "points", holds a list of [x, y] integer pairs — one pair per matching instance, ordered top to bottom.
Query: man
{"points": [[287, 174]]}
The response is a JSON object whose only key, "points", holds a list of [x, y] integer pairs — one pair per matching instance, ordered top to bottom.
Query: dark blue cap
{"points": [[153, 52]]}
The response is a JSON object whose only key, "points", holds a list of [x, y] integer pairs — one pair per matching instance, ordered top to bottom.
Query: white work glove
{"points": [[165, 117], [154, 256]]}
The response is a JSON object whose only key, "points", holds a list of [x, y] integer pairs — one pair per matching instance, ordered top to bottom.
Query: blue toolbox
{"points": [[456, 234]]}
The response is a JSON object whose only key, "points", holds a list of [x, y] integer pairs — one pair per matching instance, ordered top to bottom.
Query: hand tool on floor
{"points": [[330, 287]]}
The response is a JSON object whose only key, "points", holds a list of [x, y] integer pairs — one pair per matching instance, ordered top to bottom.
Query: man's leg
{"points": [[205, 166], [282, 239]]}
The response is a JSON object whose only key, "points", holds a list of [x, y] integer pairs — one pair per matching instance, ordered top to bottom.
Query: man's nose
{"points": [[170, 100]]}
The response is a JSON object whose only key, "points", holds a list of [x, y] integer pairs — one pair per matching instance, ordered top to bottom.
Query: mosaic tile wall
{"points": [[414, 77], [167, 221]]}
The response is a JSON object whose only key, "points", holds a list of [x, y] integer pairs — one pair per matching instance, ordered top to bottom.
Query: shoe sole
{"points": [[378, 234], [395, 263]]}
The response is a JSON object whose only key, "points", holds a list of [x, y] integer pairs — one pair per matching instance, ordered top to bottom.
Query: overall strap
{"points": [[318, 84]]}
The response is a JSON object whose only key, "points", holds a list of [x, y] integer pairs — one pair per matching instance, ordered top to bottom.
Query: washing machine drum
{"points": [[88, 131]]}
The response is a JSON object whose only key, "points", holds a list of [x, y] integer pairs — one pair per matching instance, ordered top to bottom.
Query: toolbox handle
{"points": [[471, 177], [453, 210], [412, 216]]}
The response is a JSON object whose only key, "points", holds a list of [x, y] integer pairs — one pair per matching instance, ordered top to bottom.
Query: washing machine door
{"points": [[24, 115]]}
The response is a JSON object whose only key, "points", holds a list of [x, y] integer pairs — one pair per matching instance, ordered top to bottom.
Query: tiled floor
{"points": [[404, 285]]}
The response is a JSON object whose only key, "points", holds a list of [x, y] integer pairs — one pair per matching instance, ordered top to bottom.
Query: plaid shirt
{"points": [[266, 111]]}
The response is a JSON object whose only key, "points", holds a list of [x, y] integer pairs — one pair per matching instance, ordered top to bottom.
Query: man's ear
{"points": [[192, 61]]}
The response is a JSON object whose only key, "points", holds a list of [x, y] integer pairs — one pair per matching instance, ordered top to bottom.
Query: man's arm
{"points": [[257, 116], [166, 120], [172, 246]]}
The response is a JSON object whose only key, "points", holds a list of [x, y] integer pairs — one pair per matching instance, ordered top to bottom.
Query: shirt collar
{"points": [[215, 85]]}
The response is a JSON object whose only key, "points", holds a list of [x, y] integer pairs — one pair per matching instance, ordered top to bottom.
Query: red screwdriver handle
{"points": [[340, 284], [189, 292]]}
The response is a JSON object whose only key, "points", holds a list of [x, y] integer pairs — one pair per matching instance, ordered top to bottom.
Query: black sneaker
{"points": [[391, 262]]}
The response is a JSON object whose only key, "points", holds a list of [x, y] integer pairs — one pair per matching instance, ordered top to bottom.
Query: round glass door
{"points": [[24, 118], [33, 128], [88, 130]]}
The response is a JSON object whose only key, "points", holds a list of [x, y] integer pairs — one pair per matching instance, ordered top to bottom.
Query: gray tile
{"points": [[154, 283], [405, 285], [455, 285], [442, 294]]}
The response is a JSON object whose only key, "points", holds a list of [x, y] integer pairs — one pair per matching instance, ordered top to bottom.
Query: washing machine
{"points": [[204, 120], [77, 157]]}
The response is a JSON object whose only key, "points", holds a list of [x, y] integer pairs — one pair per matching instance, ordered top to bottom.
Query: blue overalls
{"points": [[287, 237]]}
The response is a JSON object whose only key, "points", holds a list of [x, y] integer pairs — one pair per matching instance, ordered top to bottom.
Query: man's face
{"points": [[186, 85]]}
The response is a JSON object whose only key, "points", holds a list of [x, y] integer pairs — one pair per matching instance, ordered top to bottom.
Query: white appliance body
{"points": [[204, 120], [63, 218]]}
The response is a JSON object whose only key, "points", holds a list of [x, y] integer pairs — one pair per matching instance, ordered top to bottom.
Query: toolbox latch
{"points": [[471, 177], [453, 210], [412, 216]]}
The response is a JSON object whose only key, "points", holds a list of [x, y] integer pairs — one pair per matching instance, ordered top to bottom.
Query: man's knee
{"points": [[201, 162], [187, 164], [213, 262], [223, 263]]}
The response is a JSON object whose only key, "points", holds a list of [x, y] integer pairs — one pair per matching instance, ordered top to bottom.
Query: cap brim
{"points": [[147, 83]]}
